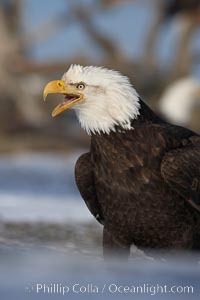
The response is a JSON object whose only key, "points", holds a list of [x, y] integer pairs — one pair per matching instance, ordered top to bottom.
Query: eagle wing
{"points": [[180, 169], [86, 185]]}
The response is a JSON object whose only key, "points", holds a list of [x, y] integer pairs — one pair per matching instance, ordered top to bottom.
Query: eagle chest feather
{"points": [[126, 166]]}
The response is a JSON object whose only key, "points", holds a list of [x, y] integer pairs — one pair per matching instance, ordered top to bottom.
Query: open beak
{"points": [[59, 87]]}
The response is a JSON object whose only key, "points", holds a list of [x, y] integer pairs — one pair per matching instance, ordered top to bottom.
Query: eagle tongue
{"points": [[68, 98]]}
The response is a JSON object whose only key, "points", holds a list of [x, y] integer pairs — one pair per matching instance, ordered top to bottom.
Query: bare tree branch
{"points": [[46, 30], [105, 43]]}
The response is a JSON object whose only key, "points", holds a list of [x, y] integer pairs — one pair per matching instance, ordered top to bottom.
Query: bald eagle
{"points": [[141, 178]]}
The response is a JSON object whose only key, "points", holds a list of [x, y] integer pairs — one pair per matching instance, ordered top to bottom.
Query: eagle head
{"points": [[102, 98]]}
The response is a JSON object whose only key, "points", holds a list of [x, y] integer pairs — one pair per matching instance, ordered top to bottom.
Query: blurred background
{"points": [[156, 43]]}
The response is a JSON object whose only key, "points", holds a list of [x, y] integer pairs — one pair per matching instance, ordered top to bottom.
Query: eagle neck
{"points": [[102, 142]]}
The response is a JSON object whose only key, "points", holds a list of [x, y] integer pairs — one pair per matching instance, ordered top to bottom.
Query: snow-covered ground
{"points": [[40, 187], [44, 274]]}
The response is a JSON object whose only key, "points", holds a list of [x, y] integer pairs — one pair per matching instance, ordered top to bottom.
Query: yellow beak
{"points": [[59, 87]]}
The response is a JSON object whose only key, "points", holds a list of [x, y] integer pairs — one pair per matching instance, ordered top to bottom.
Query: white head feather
{"points": [[109, 99]]}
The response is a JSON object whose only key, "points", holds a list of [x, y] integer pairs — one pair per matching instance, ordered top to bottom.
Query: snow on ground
{"points": [[38, 187]]}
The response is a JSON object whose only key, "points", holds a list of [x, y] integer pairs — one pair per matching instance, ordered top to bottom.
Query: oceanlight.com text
{"points": [[111, 288]]}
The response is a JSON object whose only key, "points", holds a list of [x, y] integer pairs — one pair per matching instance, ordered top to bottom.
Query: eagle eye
{"points": [[80, 86]]}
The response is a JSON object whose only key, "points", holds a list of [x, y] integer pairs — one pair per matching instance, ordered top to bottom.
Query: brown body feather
{"points": [[143, 184]]}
